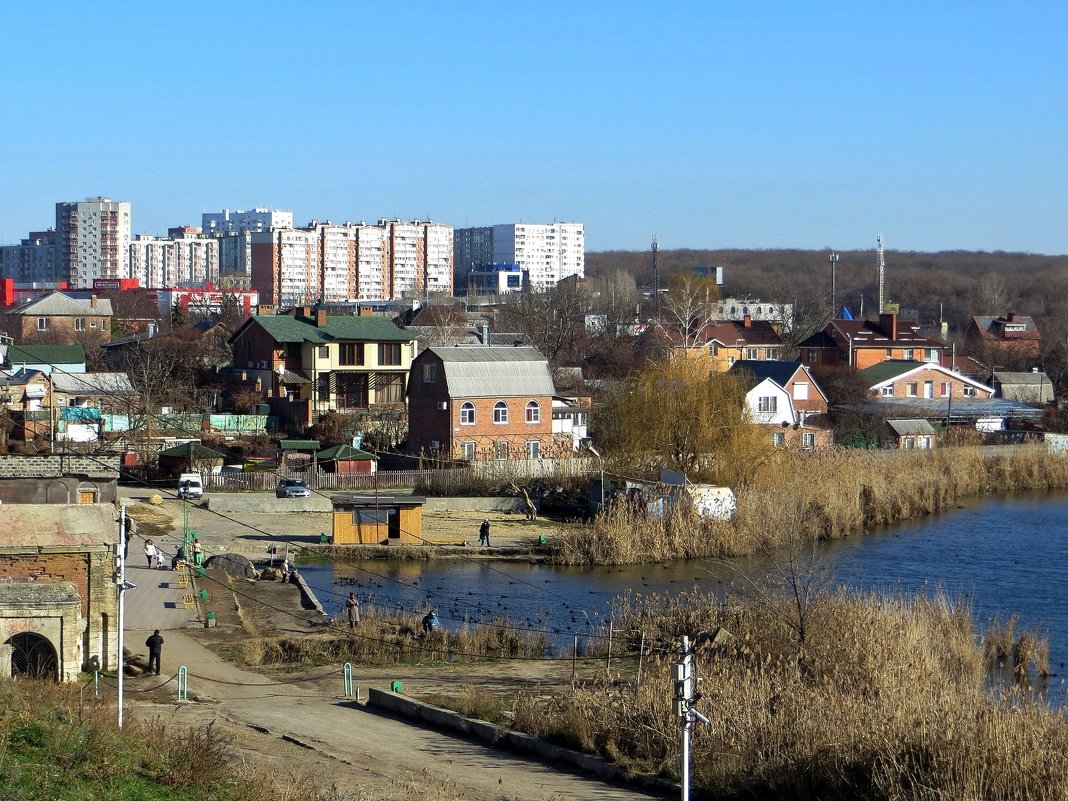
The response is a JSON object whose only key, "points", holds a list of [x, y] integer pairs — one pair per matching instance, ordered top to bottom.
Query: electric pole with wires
{"points": [[682, 672]]}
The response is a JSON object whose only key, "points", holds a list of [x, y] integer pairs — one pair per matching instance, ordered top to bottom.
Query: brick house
{"points": [[60, 317], [1012, 340], [723, 343], [862, 343], [309, 362], [899, 380], [782, 397], [483, 403], [59, 600]]}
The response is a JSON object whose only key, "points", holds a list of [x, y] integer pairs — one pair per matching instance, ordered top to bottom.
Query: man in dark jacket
{"points": [[155, 650]]}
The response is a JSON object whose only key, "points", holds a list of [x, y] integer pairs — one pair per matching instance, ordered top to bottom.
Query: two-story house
{"points": [[1011, 341], [861, 343], [309, 362], [782, 397], [483, 403]]}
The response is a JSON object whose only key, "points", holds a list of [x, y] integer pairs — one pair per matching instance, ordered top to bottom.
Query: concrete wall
{"points": [[53, 466], [249, 502], [483, 504]]}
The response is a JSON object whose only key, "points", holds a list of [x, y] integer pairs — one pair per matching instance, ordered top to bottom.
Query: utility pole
{"points": [[833, 259], [656, 280], [121, 581], [682, 673]]}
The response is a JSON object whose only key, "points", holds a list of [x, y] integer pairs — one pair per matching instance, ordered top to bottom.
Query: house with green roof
{"points": [[66, 358], [308, 362]]}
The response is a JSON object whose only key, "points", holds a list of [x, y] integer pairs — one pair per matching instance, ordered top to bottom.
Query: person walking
{"points": [[483, 534], [198, 552], [150, 553], [352, 606], [155, 650]]}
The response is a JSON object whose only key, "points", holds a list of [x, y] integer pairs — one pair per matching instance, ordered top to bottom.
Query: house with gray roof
{"points": [[60, 318], [1031, 387], [482, 403]]}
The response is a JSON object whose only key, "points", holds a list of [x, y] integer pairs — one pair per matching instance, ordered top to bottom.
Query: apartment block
{"points": [[232, 222], [93, 240], [546, 253], [183, 259], [34, 260]]}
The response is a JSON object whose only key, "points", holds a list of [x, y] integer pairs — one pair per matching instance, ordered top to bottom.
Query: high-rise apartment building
{"points": [[230, 222], [93, 240], [547, 253], [183, 259], [34, 260], [346, 263]]}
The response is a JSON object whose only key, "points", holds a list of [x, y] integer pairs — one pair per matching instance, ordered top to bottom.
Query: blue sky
{"points": [[760, 124]]}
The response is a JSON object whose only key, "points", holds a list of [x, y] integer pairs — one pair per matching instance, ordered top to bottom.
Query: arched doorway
{"points": [[33, 656]]}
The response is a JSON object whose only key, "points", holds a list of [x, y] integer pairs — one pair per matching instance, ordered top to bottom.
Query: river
{"points": [[1005, 555]]}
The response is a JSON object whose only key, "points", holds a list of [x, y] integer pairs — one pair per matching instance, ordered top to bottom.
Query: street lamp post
{"points": [[589, 446]]}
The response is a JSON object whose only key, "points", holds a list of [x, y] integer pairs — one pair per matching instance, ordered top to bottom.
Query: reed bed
{"points": [[819, 495], [890, 706]]}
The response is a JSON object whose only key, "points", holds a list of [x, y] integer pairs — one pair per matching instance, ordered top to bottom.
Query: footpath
{"points": [[339, 740]]}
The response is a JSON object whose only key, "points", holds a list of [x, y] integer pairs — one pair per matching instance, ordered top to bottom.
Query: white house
{"points": [[770, 404]]}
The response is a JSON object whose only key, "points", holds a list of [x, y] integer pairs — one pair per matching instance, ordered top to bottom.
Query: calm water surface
{"points": [[1004, 555]]}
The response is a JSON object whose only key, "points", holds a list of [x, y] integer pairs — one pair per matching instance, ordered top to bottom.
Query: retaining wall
{"points": [[248, 502], [476, 504]]}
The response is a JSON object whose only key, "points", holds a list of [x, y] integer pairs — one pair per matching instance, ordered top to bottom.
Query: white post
{"points": [[122, 600], [682, 707]]}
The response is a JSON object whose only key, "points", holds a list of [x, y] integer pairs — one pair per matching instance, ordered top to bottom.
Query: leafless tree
{"points": [[691, 305], [552, 318], [447, 323]]}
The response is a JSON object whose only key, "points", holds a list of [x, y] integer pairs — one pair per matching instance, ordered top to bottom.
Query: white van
{"points": [[190, 485]]}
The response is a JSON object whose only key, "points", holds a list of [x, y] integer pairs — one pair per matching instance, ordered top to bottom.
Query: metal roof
{"points": [[56, 304], [350, 328], [46, 354], [494, 372], [1027, 378], [92, 383], [905, 428], [299, 444], [191, 450], [343, 453], [56, 527]]}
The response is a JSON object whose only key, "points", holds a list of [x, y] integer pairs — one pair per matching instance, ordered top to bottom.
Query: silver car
{"points": [[292, 488]]}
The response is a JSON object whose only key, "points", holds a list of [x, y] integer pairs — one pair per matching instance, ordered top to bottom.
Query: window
{"points": [[43, 323], [92, 323], [79, 324], [324, 351], [389, 353], [752, 353], [889, 353], [350, 354], [908, 354], [813, 355], [932, 355], [430, 373], [322, 387], [390, 388], [910, 389], [947, 389], [351, 390], [801, 390], [888, 392], [969, 392], [768, 404], [500, 412], [533, 412], [467, 413], [778, 439], [808, 439], [924, 443], [534, 449], [500, 450], [469, 451]]}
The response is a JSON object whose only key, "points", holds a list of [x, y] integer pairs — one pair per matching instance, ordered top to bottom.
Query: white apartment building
{"points": [[230, 222], [93, 240], [547, 253], [437, 254], [34, 260], [188, 260], [372, 262], [285, 267]]}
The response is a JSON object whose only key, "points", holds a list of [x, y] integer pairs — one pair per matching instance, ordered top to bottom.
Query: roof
{"points": [[56, 304], [988, 324], [290, 328], [728, 332], [868, 333], [821, 339], [46, 354], [895, 368], [778, 371], [477, 372], [23, 375], [1028, 378], [92, 383], [961, 408], [910, 428], [299, 444], [191, 450], [342, 453], [377, 500], [56, 527]]}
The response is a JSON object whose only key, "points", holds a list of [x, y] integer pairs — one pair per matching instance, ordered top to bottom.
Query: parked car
{"points": [[292, 488]]}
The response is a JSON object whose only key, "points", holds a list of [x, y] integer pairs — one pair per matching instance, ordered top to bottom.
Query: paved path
{"points": [[361, 741]]}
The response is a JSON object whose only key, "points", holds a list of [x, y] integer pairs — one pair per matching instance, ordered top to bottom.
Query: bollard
{"points": [[324, 538], [209, 619], [347, 673], [96, 682], [183, 683], [397, 687]]}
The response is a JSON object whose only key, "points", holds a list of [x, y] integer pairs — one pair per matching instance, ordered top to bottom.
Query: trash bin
{"points": [[324, 538], [543, 539], [203, 595], [396, 687]]}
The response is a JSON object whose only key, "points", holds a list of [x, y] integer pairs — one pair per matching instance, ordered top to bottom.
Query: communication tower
{"points": [[882, 275]]}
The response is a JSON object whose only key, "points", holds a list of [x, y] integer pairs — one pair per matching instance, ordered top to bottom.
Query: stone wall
{"points": [[104, 466]]}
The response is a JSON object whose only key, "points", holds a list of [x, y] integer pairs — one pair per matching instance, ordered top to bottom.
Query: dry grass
{"points": [[819, 495], [890, 705]]}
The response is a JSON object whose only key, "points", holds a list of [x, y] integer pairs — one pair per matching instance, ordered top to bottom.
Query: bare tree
{"points": [[691, 306], [552, 318], [447, 323]]}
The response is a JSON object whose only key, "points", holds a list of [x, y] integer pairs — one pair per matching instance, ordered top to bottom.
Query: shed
{"points": [[1033, 388], [907, 434], [297, 454], [190, 457], [346, 459], [378, 519]]}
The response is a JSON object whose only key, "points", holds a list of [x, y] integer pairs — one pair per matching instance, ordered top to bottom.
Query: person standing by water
{"points": [[483, 534], [352, 606], [155, 650]]}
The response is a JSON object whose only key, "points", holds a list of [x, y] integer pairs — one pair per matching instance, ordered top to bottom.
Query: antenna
{"points": [[833, 259], [882, 275], [656, 279]]}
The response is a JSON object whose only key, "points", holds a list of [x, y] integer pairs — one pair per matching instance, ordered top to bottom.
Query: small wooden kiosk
{"points": [[378, 519]]}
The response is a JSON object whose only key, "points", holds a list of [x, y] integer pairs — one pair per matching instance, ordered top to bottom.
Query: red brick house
{"points": [[1013, 340], [863, 343], [909, 379], [782, 397], [482, 403]]}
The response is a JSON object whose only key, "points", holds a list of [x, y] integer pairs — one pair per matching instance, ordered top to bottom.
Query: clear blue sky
{"points": [[748, 124]]}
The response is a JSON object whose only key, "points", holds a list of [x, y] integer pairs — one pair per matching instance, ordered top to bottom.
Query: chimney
{"points": [[92, 301], [305, 311], [366, 311], [1012, 317], [320, 318], [747, 321], [888, 322], [485, 334]]}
